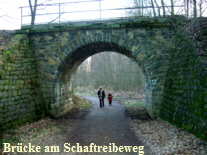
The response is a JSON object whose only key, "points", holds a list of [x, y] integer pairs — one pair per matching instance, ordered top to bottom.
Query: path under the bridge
{"points": [[103, 126]]}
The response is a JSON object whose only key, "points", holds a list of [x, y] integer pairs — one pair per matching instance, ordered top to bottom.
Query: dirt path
{"points": [[102, 126], [107, 126]]}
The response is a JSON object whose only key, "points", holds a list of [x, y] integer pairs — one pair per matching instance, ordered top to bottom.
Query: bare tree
{"points": [[163, 7], [200, 7], [153, 8], [158, 8], [172, 8], [187, 8], [192, 8], [195, 8], [33, 11], [112, 70]]}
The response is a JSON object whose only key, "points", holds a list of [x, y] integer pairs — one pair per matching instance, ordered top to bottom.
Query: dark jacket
{"points": [[99, 94]]}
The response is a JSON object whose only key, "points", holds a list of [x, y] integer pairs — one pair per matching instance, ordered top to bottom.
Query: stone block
{"points": [[99, 37], [141, 56], [52, 61], [2, 87], [14, 92], [205, 97]]}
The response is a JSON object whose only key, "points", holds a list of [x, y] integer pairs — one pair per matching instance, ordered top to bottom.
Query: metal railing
{"points": [[77, 11]]}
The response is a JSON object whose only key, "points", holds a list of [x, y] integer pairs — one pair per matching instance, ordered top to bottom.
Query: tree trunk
{"points": [[163, 7], [200, 7], [153, 8], [158, 8], [172, 8], [195, 8], [187, 9], [33, 11], [142, 14]]}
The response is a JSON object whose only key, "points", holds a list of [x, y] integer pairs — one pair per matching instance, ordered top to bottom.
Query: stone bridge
{"points": [[60, 49], [36, 75]]}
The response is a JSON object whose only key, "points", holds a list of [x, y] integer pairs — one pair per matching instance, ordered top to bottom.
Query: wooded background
{"points": [[158, 8], [111, 70]]}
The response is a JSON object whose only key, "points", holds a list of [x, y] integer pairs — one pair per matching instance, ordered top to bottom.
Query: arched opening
{"points": [[117, 73], [63, 79]]}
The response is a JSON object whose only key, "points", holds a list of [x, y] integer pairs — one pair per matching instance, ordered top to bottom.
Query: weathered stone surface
{"points": [[59, 53], [175, 77], [17, 83], [184, 92]]}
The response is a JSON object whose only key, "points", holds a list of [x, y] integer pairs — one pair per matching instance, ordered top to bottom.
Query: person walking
{"points": [[101, 95], [110, 98]]}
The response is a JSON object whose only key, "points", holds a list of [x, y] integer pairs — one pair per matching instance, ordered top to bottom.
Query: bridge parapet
{"points": [[112, 23]]}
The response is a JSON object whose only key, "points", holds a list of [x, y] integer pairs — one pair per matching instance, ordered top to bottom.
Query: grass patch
{"points": [[85, 93], [134, 103], [81, 104], [87, 105], [79, 109], [135, 109]]}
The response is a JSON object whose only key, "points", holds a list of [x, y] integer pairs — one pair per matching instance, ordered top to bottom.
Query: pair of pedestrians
{"points": [[101, 95]]}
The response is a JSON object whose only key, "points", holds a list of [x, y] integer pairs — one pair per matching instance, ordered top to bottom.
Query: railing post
{"points": [[100, 8], [59, 13], [21, 16]]}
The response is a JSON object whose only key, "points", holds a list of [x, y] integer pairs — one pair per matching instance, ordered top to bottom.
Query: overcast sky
{"points": [[10, 12]]}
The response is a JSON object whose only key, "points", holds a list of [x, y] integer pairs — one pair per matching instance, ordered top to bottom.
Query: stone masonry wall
{"points": [[58, 52], [175, 78], [18, 82], [185, 97]]}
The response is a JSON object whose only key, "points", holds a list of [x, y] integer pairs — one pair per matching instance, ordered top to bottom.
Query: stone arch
{"points": [[69, 49], [63, 87]]}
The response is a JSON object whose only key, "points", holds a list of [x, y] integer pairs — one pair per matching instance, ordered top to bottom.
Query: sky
{"points": [[10, 11], [10, 14]]}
